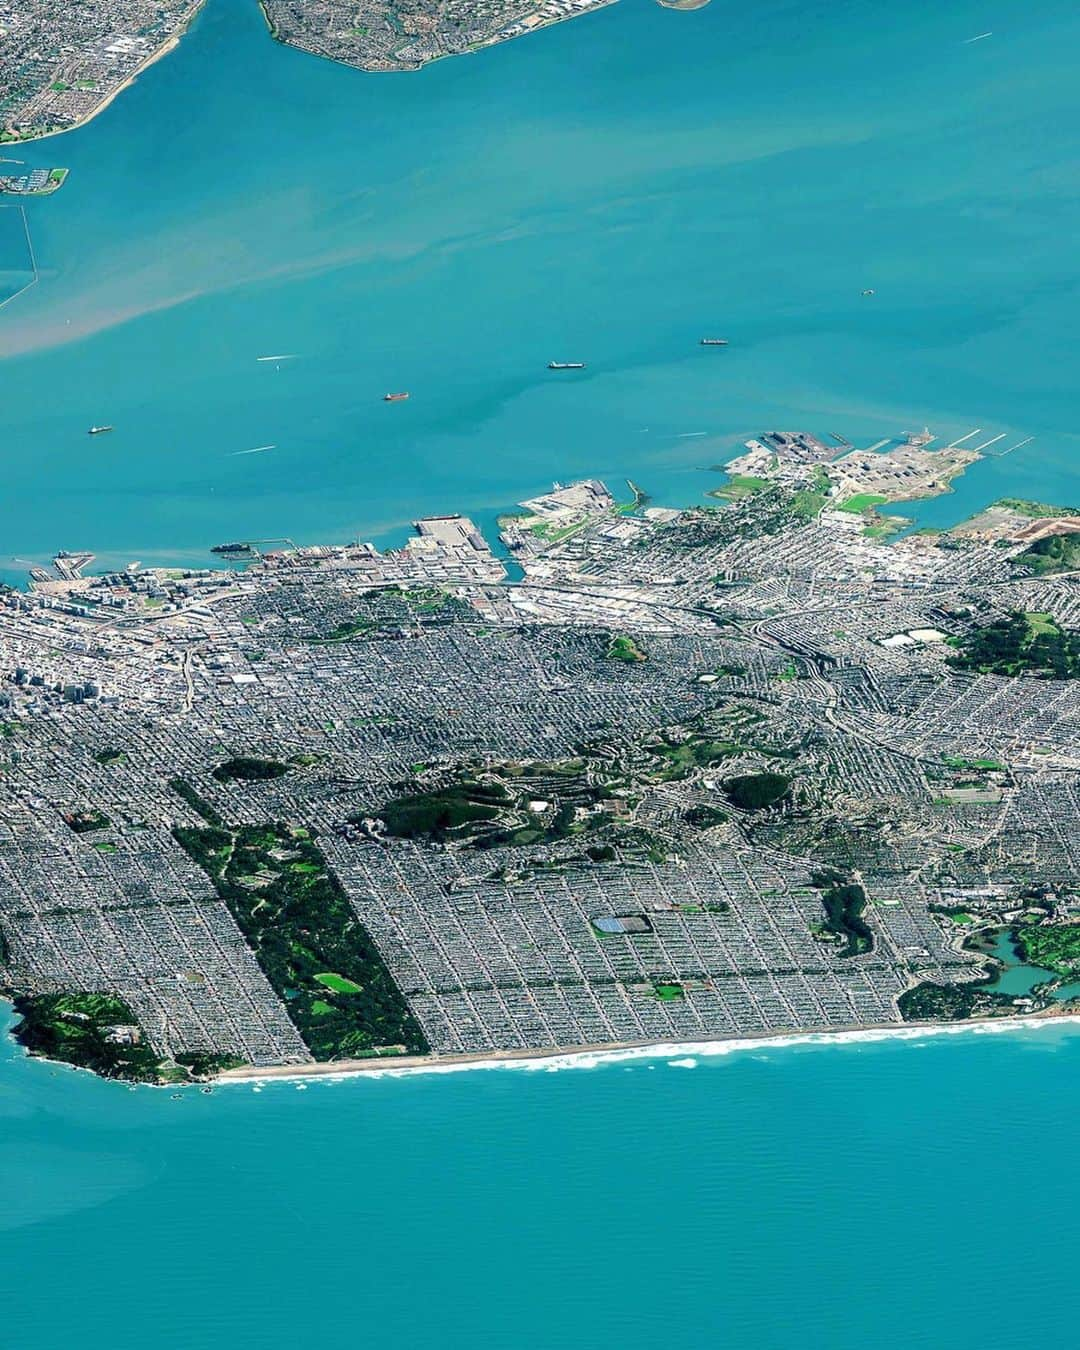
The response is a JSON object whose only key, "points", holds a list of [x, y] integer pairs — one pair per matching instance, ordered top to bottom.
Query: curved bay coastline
{"points": [[484, 223]]}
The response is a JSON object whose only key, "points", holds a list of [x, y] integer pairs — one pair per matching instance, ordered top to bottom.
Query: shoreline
{"points": [[170, 45], [446, 56], [53, 185], [553, 1058]]}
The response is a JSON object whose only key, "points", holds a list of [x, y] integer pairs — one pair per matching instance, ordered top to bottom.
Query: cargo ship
{"points": [[714, 342], [566, 365], [394, 398], [97, 431], [232, 549]]}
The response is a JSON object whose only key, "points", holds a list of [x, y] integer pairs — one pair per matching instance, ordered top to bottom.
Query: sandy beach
{"points": [[162, 51], [587, 1056]]}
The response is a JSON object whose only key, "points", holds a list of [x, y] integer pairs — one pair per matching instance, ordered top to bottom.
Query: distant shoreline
{"points": [[173, 42], [445, 56], [554, 1057]]}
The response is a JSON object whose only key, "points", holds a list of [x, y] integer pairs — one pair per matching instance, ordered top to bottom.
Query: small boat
{"points": [[868, 291], [714, 342], [566, 365], [394, 398], [97, 431]]}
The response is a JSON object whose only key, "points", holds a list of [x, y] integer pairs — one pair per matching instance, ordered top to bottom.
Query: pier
{"points": [[992, 441], [1019, 445]]}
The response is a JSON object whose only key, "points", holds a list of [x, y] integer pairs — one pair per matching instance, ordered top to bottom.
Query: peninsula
{"points": [[387, 35], [62, 64], [744, 769]]}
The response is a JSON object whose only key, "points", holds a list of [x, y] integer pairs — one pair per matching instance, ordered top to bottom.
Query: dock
{"points": [[70, 565]]}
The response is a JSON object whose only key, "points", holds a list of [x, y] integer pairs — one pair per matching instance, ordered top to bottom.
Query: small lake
{"points": [[1019, 979]]}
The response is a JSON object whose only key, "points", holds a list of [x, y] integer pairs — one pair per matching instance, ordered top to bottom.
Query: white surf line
{"points": [[977, 38], [284, 356], [992, 441], [953, 444], [258, 449], [598, 1057]]}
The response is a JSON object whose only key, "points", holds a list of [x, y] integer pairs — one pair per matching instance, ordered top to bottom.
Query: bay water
{"points": [[608, 190]]}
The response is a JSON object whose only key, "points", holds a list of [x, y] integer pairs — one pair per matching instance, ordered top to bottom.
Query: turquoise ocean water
{"points": [[609, 190], [907, 1195]]}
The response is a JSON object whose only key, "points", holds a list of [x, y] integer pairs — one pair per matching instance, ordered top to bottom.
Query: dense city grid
{"points": [[407, 34], [61, 64], [717, 772]]}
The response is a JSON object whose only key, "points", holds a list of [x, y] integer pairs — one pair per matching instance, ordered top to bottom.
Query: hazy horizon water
{"points": [[608, 190]]}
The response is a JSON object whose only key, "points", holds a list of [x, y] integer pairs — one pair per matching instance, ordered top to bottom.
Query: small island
{"points": [[389, 35]]}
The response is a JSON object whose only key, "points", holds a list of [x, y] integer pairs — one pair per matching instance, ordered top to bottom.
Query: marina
{"points": [[35, 183]]}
